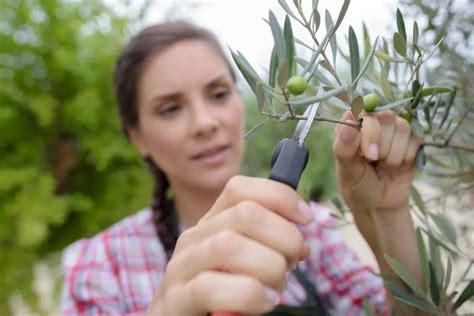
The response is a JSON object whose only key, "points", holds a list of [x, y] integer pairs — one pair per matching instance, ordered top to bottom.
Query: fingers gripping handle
{"points": [[288, 162]]}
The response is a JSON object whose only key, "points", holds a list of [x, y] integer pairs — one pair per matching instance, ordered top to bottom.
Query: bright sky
{"points": [[239, 24]]}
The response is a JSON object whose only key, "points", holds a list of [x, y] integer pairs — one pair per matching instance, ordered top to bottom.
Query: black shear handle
{"points": [[288, 162]]}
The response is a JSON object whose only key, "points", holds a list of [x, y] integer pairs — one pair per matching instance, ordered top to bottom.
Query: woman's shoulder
{"points": [[133, 236]]}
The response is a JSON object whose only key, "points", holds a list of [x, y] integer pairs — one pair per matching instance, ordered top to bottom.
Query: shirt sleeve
{"points": [[341, 279], [91, 284]]}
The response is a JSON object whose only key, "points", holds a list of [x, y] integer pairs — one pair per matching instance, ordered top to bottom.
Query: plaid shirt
{"points": [[118, 271]]}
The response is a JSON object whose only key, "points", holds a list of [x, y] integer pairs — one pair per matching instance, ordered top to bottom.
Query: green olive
{"points": [[296, 85], [370, 102], [407, 116]]}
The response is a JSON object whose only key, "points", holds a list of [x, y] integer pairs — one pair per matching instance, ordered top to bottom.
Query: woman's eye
{"points": [[221, 94], [169, 110]]}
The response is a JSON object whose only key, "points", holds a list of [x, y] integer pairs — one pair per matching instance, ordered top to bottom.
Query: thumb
{"points": [[346, 150]]}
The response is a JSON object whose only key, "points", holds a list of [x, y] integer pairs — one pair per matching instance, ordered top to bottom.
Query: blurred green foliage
{"points": [[66, 170]]}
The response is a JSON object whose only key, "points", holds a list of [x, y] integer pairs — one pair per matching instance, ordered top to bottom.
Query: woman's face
{"points": [[190, 116]]}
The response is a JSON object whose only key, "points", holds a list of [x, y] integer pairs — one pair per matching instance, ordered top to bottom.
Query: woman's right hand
{"points": [[236, 257]]}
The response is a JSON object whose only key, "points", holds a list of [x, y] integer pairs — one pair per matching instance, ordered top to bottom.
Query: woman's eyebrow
{"points": [[217, 80], [165, 97]]}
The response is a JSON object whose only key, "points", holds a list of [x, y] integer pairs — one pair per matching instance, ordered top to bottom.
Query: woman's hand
{"points": [[376, 166], [236, 257]]}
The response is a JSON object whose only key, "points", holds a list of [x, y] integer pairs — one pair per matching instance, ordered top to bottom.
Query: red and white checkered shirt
{"points": [[118, 271]]}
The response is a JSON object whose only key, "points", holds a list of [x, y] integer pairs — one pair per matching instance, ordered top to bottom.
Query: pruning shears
{"points": [[289, 160]]}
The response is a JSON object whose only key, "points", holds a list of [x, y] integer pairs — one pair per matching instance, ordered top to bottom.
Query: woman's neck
{"points": [[191, 203]]}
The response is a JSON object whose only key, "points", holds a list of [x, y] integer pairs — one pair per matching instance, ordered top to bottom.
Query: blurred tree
{"points": [[66, 171]]}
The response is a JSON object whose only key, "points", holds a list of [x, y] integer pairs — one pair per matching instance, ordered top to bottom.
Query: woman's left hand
{"points": [[376, 166]]}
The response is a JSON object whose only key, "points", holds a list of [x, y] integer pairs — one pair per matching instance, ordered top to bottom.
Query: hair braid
{"points": [[162, 212]]}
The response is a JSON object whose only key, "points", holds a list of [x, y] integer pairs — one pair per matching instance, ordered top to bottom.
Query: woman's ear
{"points": [[137, 140]]}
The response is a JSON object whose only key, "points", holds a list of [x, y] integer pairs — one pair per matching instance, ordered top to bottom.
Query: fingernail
{"points": [[373, 151], [305, 210], [272, 296]]}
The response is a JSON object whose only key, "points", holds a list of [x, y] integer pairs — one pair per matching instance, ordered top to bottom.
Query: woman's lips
{"points": [[213, 156]]}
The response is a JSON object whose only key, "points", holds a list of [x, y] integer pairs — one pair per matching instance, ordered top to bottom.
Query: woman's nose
{"points": [[204, 121]]}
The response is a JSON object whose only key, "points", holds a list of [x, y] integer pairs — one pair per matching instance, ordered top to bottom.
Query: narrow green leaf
{"points": [[287, 9], [342, 13], [316, 16], [401, 25], [415, 33], [277, 37], [366, 40], [333, 41], [400, 44], [290, 46], [354, 53], [316, 54], [366, 64], [273, 68], [247, 71], [282, 73], [319, 75], [385, 84], [416, 85], [436, 90], [341, 96], [260, 97], [317, 98], [417, 98], [449, 103], [392, 105], [357, 106], [284, 117], [416, 127], [251, 133], [420, 159], [416, 197], [445, 226], [425, 264], [437, 264], [404, 275], [447, 279], [434, 287], [466, 294], [410, 299]]}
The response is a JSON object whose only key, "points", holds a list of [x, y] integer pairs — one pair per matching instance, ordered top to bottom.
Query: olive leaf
{"points": [[287, 9], [316, 16], [401, 25], [415, 33], [277, 37], [366, 40], [333, 41], [400, 44], [290, 46], [354, 53], [385, 57], [366, 63], [273, 68], [249, 74], [436, 90], [260, 97], [317, 98], [392, 105], [357, 106], [416, 127], [251, 133], [420, 159], [416, 197], [444, 226], [425, 264], [405, 276], [466, 294], [410, 299]]}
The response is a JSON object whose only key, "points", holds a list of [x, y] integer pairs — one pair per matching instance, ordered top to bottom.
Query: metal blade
{"points": [[303, 127]]}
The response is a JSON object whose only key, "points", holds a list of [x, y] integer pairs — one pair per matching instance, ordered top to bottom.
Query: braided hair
{"points": [[130, 64]]}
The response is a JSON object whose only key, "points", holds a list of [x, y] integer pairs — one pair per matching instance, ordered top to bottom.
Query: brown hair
{"points": [[147, 43]]}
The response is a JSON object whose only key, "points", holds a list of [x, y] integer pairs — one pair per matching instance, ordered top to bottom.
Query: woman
{"points": [[225, 242]]}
